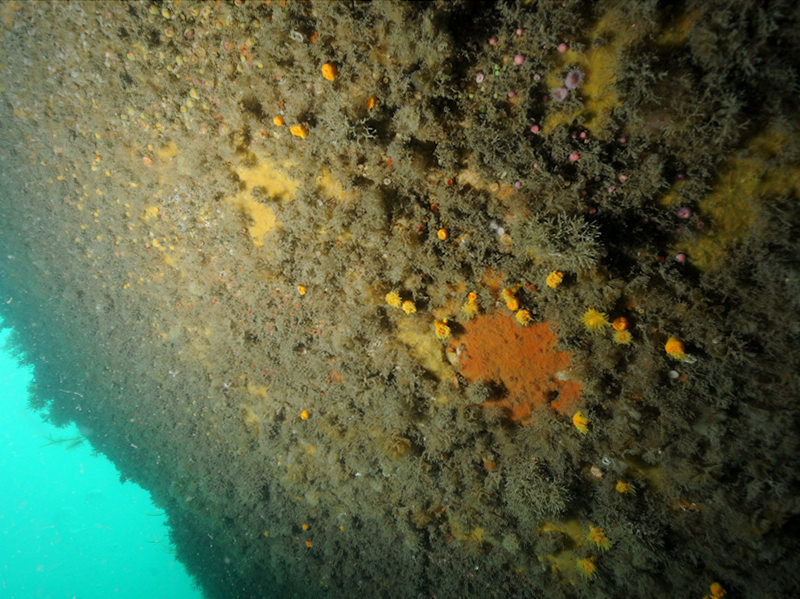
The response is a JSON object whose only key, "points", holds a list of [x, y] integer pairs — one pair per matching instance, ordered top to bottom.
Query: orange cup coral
{"points": [[329, 71], [594, 320], [674, 348]]}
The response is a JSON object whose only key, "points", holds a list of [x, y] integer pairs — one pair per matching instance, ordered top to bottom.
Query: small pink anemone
{"points": [[574, 79]]}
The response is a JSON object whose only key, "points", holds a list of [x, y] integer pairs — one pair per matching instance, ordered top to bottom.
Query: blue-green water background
{"points": [[68, 526]]}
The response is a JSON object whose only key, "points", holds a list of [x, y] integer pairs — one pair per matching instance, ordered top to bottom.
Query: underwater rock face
{"points": [[395, 299]]}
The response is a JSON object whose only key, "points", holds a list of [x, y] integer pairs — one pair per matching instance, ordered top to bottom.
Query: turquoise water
{"points": [[68, 526]]}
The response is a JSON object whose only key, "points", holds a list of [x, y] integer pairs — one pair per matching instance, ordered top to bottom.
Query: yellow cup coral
{"points": [[299, 131], [554, 279], [393, 299], [512, 303], [409, 307], [470, 308], [523, 317], [594, 320], [441, 329], [622, 337], [581, 422], [624, 488], [598, 536], [587, 567], [717, 591]]}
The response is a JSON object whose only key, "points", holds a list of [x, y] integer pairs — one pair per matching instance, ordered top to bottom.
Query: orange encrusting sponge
{"points": [[523, 359]]}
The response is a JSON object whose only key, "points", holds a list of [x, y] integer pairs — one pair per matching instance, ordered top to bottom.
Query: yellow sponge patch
{"points": [[272, 177], [277, 184], [744, 185], [332, 187], [262, 219], [424, 347]]}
